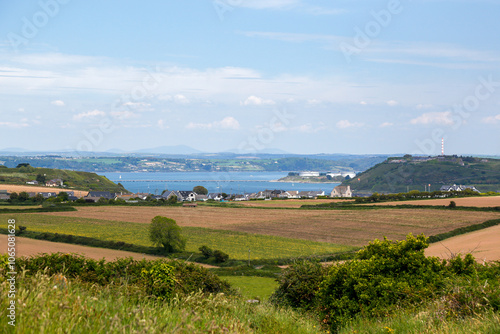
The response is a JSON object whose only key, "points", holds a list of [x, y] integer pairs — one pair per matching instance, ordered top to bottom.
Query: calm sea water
{"points": [[228, 182]]}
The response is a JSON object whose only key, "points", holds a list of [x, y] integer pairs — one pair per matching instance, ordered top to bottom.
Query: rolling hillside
{"points": [[415, 173], [71, 179]]}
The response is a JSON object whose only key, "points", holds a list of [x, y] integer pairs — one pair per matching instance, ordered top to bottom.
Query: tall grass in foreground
{"points": [[45, 306], [425, 320]]}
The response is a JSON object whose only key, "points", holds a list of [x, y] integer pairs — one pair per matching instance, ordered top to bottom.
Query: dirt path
{"points": [[19, 188], [483, 244], [31, 247]]}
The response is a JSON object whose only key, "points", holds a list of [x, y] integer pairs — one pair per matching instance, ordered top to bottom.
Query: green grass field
{"points": [[236, 244], [252, 287]]}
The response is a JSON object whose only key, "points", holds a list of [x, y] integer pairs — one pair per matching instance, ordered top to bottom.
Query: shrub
{"points": [[452, 204], [206, 251], [220, 256], [384, 274], [159, 280], [298, 285]]}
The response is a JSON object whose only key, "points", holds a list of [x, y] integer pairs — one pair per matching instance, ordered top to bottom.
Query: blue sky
{"points": [[361, 76]]}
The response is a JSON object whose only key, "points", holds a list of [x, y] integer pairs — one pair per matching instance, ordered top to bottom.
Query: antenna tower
{"points": [[442, 146]]}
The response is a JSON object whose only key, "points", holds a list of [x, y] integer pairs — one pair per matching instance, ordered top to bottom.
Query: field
{"points": [[27, 188], [487, 201], [289, 203], [345, 227], [236, 244], [483, 244], [31, 247], [253, 287]]}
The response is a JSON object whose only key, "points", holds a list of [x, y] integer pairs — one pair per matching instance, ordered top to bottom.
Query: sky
{"points": [[301, 76]]}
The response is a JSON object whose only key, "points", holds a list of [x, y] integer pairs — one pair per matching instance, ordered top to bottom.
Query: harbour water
{"points": [[228, 182]]}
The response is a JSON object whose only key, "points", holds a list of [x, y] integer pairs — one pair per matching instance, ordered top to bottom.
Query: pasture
{"points": [[482, 202]]}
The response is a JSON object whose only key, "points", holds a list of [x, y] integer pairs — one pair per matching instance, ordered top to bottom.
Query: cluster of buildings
{"points": [[51, 183]]}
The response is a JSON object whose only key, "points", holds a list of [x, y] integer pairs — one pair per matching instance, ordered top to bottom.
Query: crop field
{"points": [[28, 188], [486, 201], [290, 203], [345, 227], [236, 244], [483, 244]]}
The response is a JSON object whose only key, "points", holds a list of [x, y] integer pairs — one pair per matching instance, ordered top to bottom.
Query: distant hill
{"points": [[176, 149], [400, 174], [71, 179]]}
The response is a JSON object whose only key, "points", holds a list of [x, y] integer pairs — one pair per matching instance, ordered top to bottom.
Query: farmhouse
{"points": [[34, 182], [54, 183], [457, 188], [341, 191], [94, 196]]}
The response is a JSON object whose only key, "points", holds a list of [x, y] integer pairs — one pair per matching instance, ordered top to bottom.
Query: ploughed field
{"points": [[487, 201], [343, 227]]}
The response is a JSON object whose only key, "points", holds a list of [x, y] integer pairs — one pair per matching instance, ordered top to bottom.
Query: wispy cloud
{"points": [[256, 101], [58, 103], [88, 114], [440, 118], [491, 119], [228, 123], [344, 124]]}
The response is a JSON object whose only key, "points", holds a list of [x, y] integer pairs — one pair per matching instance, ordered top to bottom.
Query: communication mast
{"points": [[442, 146]]}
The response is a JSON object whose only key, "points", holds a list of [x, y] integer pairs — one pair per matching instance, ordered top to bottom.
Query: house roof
{"points": [[105, 194]]}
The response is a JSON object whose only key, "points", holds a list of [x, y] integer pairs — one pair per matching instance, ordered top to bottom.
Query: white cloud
{"points": [[265, 4], [256, 101], [58, 103], [363, 103], [392, 103], [424, 106], [88, 114], [126, 114], [441, 118], [491, 119], [228, 123], [161, 124], [344, 124], [386, 124], [14, 125], [308, 128]]}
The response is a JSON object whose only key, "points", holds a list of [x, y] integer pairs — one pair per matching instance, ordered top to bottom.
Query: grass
{"points": [[236, 244], [252, 287], [44, 306], [430, 320]]}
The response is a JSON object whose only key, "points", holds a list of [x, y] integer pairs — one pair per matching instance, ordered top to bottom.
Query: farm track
{"points": [[354, 228]]}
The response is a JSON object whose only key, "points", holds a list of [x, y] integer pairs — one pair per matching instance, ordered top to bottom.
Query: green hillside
{"points": [[401, 174], [71, 179]]}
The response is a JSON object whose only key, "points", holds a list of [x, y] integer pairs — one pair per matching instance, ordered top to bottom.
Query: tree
{"points": [[23, 165], [40, 178], [200, 190], [14, 196], [24, 196], [63, 196], [164, 232]]}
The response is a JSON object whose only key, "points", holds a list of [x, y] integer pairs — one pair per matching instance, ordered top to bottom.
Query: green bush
{"points": [[206, 251], [220, 256], [384, 274], [187, 278], [159, 280], [298, 285]]}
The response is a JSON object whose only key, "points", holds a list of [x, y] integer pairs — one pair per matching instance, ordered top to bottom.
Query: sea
{"points": [[227, 182]]}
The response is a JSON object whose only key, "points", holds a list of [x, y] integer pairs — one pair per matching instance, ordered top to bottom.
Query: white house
{"points": [[341, 191]]}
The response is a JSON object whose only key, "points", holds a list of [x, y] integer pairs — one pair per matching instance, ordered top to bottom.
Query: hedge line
{"points": [[44, 209]]}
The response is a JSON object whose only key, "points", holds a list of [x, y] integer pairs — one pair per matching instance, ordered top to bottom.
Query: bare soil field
{"points": [[19, 188], [489, 201], [290, 203], [355, 227], [483, 244], [32, 247]]}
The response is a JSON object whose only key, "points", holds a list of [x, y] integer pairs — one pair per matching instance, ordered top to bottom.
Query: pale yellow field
{"points": [[19, 188], [486, 201]]}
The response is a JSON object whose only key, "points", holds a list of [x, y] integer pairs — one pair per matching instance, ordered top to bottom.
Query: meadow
{"points": [[236, 244]]}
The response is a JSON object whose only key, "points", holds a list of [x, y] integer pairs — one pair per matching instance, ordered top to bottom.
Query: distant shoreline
{"points": [[319, 182]]}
